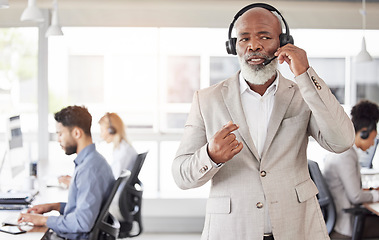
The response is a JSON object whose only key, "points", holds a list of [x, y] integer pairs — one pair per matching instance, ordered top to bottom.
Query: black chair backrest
{"points": [[324, 196], [126, 206], [106, 226]]}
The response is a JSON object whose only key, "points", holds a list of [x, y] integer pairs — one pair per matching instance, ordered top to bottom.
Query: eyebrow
{"points": [[261, 32]]}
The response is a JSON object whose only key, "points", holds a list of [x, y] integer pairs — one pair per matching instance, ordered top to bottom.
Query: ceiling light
{"points": [[4, 4], [32, 13], [55, 28], [363, 55]]}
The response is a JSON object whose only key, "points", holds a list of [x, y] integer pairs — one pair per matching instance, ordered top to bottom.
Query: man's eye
{"points": [[265, 38], [244, 39]]}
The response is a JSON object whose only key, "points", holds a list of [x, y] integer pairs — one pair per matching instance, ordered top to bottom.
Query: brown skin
{"points": [[257, 31], [365, 144]]}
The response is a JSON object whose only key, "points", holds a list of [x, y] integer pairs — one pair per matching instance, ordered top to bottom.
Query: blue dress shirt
{"points": [[92, 182]]}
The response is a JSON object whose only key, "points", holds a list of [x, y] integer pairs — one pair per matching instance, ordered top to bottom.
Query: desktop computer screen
{"points": [[16, 152], [14, 157]]}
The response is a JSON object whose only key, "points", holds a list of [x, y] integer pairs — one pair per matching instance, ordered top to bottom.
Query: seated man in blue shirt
{"points": [[91, 183]]}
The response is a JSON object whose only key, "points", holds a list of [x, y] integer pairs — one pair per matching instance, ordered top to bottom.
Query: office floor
{"points": [[167, 236], [189, 236]]}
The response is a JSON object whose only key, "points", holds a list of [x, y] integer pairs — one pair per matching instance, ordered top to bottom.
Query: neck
{"points": [[261, 89], [83, 143]]}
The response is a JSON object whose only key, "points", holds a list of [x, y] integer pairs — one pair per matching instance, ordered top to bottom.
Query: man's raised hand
{"points": [[223, 145]]}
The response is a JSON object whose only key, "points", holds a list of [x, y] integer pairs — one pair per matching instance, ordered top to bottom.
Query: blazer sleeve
{"points": [[329, 124], [192, 166], [348, 171]]}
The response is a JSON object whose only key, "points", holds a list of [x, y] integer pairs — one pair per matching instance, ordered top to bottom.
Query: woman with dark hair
{"points": [[342, 172]]}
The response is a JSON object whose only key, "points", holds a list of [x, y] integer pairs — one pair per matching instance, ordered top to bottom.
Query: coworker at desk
{"points": [[112, 129], [342, 172], [91, 183]]}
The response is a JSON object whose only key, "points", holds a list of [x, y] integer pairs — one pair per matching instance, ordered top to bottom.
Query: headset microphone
{"points": [[268, 61]]}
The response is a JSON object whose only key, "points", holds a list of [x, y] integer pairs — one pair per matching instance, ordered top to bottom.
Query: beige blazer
{"points": [[342, 173], [244, 186]]}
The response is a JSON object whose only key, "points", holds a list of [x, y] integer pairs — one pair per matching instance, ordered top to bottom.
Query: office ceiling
{"points": [[319, 14]]}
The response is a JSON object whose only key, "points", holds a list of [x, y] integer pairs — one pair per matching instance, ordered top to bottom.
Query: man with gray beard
{"points": [[248, 135]]}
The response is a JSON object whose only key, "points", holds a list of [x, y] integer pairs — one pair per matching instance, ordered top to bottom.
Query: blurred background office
{"points": [[144, 60]]}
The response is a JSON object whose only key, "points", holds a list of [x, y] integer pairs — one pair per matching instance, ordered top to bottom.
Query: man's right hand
{"points": [[223, 146], [44, 208]]}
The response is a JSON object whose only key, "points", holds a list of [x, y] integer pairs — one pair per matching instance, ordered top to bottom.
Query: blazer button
{"points": [[203, 169], [263, 173], [259, 205]]}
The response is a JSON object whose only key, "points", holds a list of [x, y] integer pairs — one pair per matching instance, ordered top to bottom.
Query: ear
{"points": [[77, 132]]}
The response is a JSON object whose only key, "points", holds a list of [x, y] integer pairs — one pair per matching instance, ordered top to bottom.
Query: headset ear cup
{"points": [[284, 39], [231, 46], [111, 130], [365, 134]]}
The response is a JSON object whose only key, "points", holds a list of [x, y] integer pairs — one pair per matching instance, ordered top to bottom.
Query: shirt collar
{"points": [[245, 87], [82, 155]]}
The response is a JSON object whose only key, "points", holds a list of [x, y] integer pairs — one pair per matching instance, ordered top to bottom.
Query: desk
{"points": [[46, 195], [373, 207]]}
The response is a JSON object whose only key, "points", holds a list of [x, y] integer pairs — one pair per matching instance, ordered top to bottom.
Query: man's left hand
{"points": [[295, 57], [36, 219]]}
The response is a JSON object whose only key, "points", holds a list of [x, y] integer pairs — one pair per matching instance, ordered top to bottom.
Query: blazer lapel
{"points": [[283, 99], [232, 100]]}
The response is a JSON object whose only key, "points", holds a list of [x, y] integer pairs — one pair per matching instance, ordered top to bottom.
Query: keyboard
{"points": [[17, 198], [13, 206]]}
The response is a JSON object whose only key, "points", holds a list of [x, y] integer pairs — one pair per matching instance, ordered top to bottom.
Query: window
{"points": [[149, 75], [18, 90]]}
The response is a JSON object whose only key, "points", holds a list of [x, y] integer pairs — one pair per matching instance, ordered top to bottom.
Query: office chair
{"points": [[324, 196], [127, 205], [107, 227]]}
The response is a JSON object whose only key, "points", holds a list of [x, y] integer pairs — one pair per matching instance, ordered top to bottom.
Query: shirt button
{"points": [[263, 173], [259, 205]]}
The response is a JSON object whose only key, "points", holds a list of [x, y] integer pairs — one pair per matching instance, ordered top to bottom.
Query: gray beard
{"points": [[257, 74]]}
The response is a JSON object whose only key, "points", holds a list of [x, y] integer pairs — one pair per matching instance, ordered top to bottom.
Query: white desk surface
{"points": [[46, 195], [373, 207]]}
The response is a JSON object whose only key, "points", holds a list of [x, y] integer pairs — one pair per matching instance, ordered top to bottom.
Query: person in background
{"points": [[112, 130], [248, 135], [342, 172], [91, 183]]}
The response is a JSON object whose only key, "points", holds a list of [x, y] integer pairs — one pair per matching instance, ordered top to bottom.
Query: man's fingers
{"points": [[227, 129], [237, 149]]}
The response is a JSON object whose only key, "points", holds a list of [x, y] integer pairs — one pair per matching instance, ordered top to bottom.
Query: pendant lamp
{"points": [[4, 4], [32, 13], [54, 28], [363, 55]]}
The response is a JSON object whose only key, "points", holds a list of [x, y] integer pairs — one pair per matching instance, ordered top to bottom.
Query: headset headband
{"points": [[254, 5], [284, 37]]}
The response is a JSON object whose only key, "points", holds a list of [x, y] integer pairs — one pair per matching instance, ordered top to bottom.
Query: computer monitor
{"points": [[16, 153], [366, 158]]}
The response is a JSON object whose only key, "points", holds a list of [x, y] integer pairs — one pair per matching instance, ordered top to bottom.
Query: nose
{"points": [[254, 45]]}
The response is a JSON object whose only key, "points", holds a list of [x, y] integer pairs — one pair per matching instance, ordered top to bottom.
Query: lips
{"points": [[255, 60]]}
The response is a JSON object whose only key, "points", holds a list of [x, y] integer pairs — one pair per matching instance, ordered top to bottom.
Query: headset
{"points": [[284, 38], [111, 130], [366, 133]]}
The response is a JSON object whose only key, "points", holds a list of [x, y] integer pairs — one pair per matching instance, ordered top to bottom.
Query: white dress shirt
{"points": [[258, 110], [124, 157]]}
